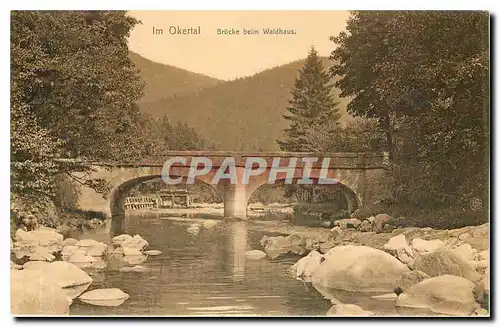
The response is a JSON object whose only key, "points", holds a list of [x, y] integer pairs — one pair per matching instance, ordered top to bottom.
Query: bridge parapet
{"points": [[337, 160]]}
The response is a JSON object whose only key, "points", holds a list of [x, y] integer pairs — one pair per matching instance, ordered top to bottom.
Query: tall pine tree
{"points": [[313, 113]]}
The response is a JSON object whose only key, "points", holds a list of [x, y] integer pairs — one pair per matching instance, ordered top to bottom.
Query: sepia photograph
{"points": [[285, 163]]}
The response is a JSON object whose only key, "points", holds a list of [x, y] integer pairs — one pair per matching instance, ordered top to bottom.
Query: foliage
{"points": [[72, 71], [424, 76], [73, 95], [312, 108], [359, 135], [180, 136], [32, 151], [43, 211]]}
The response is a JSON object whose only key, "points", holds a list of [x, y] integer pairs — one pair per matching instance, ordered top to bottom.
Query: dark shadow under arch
{"points": [[119, 195], [352, 198]]}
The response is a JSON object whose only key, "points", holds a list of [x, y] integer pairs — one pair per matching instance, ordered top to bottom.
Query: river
{"points": [[207, 275]]}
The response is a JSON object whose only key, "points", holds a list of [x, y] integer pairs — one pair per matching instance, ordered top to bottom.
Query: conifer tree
{"points": [[313, 113]]}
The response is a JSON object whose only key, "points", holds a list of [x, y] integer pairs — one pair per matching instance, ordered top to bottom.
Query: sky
{"points": [[233, 56]]}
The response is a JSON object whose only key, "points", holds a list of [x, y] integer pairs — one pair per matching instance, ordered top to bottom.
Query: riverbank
{"points": [[432, 272]]}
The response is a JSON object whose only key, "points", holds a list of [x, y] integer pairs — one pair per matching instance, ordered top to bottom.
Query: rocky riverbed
{"points": [[48, 272], [435, 272], [442, 272]]}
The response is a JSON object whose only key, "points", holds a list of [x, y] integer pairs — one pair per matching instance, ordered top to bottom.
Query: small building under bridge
{"points": [[166, 198], [171, 198]]}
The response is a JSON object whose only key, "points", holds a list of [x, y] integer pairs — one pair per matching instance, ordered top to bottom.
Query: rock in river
{"points": [[379, 222], [210, 223], [348, 223], [193, 230], [45, 237], [121, 239], [70, 241], [136, 242], [86, 243], [395, 243], [279, 245], [275, 246], [421, 246], [398, 247], [68, 250], [97, 250], [131, 251], [152, 252], [466, 252], [41, 254], [255, 254], [135, 259], [81, 260], [445, 262], [34, 264], [19, 267], [304, 268], [358, 268], [140, 269], [68, 276], [410, 278], [482, 290], [32, 293], [447, 294], [108, 297], [348, 310]]}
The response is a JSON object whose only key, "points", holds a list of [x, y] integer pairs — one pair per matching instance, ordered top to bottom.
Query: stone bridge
{"points": [[357, 175]]}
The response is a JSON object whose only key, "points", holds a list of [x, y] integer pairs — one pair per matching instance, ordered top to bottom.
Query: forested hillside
{"points": [[164, 81], [245, 114]]}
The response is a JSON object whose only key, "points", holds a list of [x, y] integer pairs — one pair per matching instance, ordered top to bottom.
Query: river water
{"points": [[207, 275]]}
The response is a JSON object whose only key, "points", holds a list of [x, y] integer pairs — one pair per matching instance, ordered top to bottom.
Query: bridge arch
{"points": [[120, 192], [352, 197]]}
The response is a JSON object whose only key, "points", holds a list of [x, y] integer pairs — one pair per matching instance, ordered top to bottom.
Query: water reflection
{"points": [[239, 244]]}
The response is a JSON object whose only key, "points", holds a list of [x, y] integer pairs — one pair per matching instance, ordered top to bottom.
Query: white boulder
{"points": [[209, 224], [121, 239], [70, 241], [422, 246], [97, 250], [152, 252], [466, 252], [41, 254], [255, 254], [138, 268], [304, 268], [358, 268], [68, 276], [32, 293], [447, 294], [109, 297], [348, 310]]}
